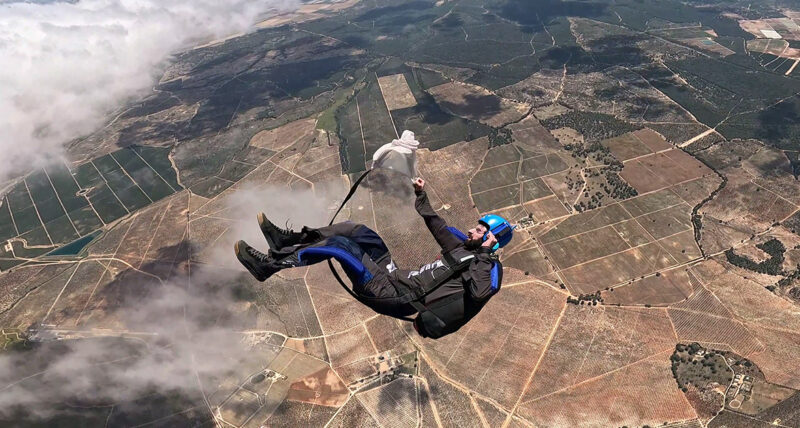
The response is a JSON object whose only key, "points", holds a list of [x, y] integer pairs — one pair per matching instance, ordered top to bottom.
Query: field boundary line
{"points": [[791, 69], [383, 97], [361, 128], [699, 136], [111, 155], [277, 166], [154, 170], [75, 180], [109, 187], [669, 187], [226, 192], [776, 194], [36, 208], [11, 214], [621, 221], [71, 223], [155, 232], [657, 240], [633, 248], [77, 266], [105, 266], [300, 306], [671, 323], [369, 336], [630, 338], [499, 348], [589, 348], [455, 350], [536, 367], [447, 379], [592, 379], [434, 409], [478, 411]]}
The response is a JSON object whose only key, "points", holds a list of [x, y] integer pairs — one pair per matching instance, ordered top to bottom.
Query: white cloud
{"points": [[65, 66], [196, 323]]}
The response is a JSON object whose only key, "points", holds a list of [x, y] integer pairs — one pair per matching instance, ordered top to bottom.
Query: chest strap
{"points": [[454, 266]]}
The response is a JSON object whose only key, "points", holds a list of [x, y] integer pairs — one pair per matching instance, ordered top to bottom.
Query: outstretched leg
{"points": [[276, 237], [366, 238], [285, 241], [261, 265], [376, 287]]}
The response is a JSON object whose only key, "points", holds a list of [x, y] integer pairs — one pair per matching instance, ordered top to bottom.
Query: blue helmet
{"points": [[501, 229]]}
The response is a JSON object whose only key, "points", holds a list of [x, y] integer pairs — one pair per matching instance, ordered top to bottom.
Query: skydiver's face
{"points": [[477, 232], [475, 237]]}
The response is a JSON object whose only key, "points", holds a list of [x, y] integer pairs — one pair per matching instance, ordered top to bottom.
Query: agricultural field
{"points": [[773, 28], [693, 35], [478, 104], [379, 112], [645, 150], [759, 193], [59, 205], [600, 248]]}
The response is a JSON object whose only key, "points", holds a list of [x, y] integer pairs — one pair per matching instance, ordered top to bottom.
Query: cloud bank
{"points": [[66, 66], [190, 326]]}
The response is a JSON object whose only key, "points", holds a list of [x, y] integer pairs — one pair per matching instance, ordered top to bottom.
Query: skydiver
{"points": [[445, 294]]}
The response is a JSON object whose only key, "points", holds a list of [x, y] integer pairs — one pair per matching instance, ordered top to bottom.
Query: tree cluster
{"points": [[593, 126], [499, 137], [613, 185], [771, 266], [589, 299], [687, 370]]}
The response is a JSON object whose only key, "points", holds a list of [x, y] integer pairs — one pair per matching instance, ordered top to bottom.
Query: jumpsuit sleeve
{"points": [[436, 224], [480, 271]]}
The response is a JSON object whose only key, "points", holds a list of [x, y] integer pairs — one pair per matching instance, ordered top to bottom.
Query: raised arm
{"points": [[436, 225]]}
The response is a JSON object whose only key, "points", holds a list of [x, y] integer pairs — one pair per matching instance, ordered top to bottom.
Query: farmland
{"points": [[646, 151], [58, 205]]}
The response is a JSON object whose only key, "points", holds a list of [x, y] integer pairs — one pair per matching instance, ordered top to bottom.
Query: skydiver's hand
{"points": [[419, 184], [490, 240]]}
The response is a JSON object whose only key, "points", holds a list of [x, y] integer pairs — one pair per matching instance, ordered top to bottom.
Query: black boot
{"points": [[277, 238], [259, 264]]}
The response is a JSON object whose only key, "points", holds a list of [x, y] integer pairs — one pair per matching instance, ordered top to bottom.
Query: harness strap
{"points": [[352, 191], [417, 294], [414, 296]]}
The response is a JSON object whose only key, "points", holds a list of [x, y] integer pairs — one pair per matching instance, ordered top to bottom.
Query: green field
{"points": [[365, 125], [57, 205]]}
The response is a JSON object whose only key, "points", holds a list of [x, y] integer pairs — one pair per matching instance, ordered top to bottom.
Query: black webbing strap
{"points": [[352, 191], [454, 266], [413, 297]]}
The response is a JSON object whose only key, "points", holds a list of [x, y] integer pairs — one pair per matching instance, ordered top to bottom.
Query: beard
{"points": [[473, 244]]}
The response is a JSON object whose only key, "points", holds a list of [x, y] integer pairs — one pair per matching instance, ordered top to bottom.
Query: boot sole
{"points": [[239, 249]]}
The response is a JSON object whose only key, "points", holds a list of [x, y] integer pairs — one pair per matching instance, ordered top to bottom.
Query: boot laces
{"points": [[287, 231], [264, 258]]}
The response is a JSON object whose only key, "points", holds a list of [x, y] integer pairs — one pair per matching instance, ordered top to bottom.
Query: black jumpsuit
{"points": [[388, 282]]}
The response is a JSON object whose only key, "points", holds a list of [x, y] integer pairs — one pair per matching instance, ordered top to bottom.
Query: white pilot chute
{"points": [[400, 155]]}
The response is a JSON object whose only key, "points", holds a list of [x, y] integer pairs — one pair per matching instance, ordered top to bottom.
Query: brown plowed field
{"points": [[671, 287], [699, 327], [592, 341], [495, 353], [642, 393]]}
